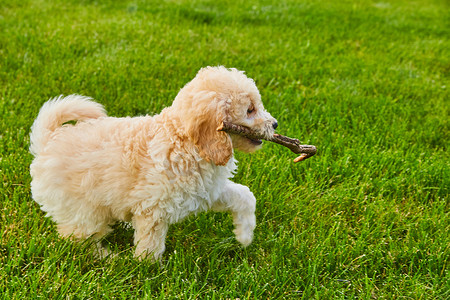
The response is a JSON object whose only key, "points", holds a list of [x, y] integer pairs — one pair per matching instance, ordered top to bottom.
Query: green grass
{"points": [[365, 81]]}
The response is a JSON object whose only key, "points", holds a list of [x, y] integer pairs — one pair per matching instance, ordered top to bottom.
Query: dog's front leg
{"points": [[240, 201], [149, 235]]}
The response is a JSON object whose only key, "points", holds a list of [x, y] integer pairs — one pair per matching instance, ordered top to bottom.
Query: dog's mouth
{"points": [[254, 142]]}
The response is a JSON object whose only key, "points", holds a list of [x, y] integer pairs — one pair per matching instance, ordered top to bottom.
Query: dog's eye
{"points": [[250, 110]]}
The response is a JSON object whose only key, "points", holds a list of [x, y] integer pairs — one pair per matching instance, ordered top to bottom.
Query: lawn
{"points": [[365, 81]]}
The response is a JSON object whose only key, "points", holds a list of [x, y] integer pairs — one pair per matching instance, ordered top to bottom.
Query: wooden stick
{"points": [[293, 144]]}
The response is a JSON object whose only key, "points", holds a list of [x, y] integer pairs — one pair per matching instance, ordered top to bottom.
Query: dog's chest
{"points": [[185, 191]]}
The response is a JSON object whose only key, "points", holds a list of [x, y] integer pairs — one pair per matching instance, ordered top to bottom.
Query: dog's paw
{"points": [[244, 230], [245, 238], [102, 252]]}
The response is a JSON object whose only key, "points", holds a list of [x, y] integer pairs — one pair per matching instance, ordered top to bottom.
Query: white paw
{"points": [[244, 230], [245, 238], [144, 254]]}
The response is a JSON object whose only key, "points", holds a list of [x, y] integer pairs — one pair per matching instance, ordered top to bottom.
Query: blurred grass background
{"points": [[364, 81]]}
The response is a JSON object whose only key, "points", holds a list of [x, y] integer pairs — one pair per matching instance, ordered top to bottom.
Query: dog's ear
{"points": [[201, 126]]}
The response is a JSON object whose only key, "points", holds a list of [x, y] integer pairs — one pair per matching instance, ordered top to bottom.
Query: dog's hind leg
{"points": [[91, 223]]}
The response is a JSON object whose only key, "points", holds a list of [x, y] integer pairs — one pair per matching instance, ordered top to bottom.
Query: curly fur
{"points": [[150, 170]]}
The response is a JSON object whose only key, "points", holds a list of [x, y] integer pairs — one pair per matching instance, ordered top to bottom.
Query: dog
{"points": [[90, 170]]}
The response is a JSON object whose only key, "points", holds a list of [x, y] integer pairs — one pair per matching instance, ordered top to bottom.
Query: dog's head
{"points": [[215, 95]]}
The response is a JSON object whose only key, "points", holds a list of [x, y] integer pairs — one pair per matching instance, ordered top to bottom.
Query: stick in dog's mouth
{"points": [[293, 144]]}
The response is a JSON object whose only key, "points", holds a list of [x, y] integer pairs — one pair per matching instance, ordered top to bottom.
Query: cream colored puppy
{"points": [[152, 171]]}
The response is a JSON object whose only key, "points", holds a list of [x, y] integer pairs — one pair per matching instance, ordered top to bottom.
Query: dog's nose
{"points": [[275, 125]]}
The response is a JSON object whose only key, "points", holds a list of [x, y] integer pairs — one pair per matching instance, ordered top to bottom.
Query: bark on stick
{"points": [[294, 145]]}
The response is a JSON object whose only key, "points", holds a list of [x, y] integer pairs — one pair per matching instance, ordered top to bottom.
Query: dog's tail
{"points": [[56, 112]]}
